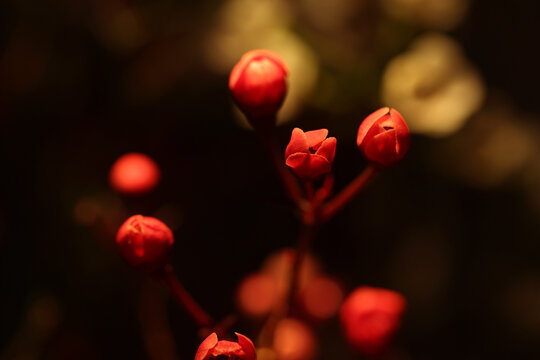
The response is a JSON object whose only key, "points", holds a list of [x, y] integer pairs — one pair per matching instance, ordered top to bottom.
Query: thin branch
{"points": [[268, 139], [348, 193], [183, 297]]}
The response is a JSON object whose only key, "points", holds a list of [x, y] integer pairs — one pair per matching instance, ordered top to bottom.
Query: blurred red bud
{"points": [[258, 83], [383, 137], [310, 154], [134, 173], [145, 242], [279, 266], [257, 295], [322, 298], [370, 316], [294, 340], [211, 349]]}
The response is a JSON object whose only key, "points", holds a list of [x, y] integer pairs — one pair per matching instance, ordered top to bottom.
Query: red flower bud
{"points": [[258, 83], [383, 137], [310, 154], [134, 173], [145, 242], [370, 316], [294, 340], [212, 349]]}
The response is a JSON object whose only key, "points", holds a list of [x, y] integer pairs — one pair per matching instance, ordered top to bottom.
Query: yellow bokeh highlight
{"points": [[431, 14], [246, 25], [433, 85]]}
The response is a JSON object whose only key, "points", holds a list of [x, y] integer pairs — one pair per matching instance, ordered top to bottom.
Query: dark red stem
{"points": [[268, 139], [310, 190], [348, 193], [304, 243], [183, 298]]}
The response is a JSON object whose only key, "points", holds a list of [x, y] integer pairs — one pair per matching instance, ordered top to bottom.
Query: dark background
{"points": [[466, 256]]}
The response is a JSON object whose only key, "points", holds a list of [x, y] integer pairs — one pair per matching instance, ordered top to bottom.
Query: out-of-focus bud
{"points": [[258, 85], [383, 137], [310, 154], [134, 173], [145, 242], [279, 266], [257, 295], [322, 298], [370, 316], [294, 340], [211, 348]]}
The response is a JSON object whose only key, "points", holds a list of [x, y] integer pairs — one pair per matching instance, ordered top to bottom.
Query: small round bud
{"points": [[258, 84], [383, 137], [310, 154], [134, 173], [145, 242], [370, 316], [211, 348]]}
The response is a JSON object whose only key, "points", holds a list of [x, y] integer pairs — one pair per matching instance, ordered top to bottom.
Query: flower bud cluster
{"points": [[369, 316]]}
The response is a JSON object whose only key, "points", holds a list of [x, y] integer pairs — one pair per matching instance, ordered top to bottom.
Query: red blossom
{"points": [[258, 83], [383, 137], [310, 154], [145, 242], [370, 316], [212, 349]]}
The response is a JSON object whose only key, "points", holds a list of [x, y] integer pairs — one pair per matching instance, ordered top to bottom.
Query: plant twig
{"points": [[268, 139], [348, 193], [304, 243], [183, 297]]}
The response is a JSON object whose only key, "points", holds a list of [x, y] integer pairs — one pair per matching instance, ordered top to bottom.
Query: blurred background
{"points": [[454, 227]]}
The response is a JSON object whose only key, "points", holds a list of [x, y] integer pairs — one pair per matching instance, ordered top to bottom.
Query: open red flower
{"points": [[258, 83], [383, 137], [310, 154], [145, 242], [370, 316], [212, 349]]}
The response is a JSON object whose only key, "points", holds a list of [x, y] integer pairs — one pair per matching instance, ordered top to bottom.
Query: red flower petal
{"points": [[257, 54], [262, 83], [368, 122], [316, 137], [298, 143], [383, 147], [328, 149], [297, 160], [308, 166], [318, 166], [209, 343], [247, 345], [226, 348]]}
